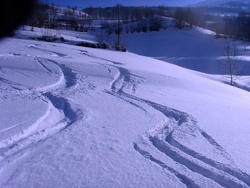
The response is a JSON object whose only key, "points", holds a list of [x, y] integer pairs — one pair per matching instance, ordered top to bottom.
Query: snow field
{"points": [[78, 117]]}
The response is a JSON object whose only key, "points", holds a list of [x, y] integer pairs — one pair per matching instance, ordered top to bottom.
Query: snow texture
{"points": [[77, 117]]}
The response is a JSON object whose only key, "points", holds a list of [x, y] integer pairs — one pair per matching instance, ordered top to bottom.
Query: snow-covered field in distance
{"points": [[196, 49], [79, 117]]}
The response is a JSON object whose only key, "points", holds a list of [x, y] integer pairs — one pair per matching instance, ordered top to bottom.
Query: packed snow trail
{"points": [[59, 115], [163, 139]]}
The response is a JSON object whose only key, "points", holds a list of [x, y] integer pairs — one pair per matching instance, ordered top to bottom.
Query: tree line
{"points": [[126, 13], [53, 17], [133, 19], [140, 19], [224, 25]]}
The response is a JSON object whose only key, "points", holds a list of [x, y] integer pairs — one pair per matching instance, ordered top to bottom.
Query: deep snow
{"points": [[79, 117]]}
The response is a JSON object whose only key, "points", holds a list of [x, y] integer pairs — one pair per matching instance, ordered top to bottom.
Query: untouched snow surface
{"points": [[79, 117]]}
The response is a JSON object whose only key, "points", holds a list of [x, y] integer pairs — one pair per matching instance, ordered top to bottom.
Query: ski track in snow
{"points": [[51, 53], [69, 76], [123, 78], [59, 110], [164, 143], [157, 145]]}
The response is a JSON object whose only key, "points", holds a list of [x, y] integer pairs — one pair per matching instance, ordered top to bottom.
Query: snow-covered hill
{"points": [[239, 4], [79, 117]]}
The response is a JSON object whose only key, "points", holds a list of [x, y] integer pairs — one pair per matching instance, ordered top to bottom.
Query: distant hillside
{"points": [[234, 4]]}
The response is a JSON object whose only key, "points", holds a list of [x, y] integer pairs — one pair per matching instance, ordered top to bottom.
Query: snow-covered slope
{"points": [[242, 4], [196, 49], [78, 117]]}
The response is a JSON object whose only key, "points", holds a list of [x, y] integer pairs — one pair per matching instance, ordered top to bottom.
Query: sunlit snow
{"points": [[79, 117]]}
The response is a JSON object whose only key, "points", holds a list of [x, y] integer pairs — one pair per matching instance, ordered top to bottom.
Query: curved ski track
{"points": [[58, 106], [162, 142], [159, 145]]}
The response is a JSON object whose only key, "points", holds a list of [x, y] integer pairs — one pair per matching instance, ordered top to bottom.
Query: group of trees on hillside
{"points": [[126, 13], [52, 17], [133, 19], [139, 19], [143, 19], [154, 23], [237, 27]]}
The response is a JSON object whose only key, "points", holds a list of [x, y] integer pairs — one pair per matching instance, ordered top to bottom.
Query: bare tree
{"points": [[179, 15], [52, 16], [118, 27], [230, 62]]}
